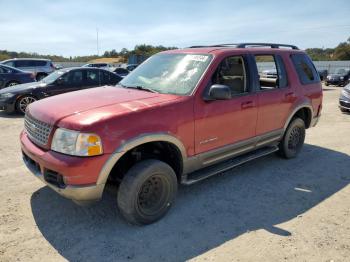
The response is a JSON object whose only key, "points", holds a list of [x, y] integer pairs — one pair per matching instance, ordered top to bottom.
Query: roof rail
{"points": [[245, 45], [272, 45]]}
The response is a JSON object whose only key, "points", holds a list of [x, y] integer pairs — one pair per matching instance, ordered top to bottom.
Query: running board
{"points": [[226, 165]]}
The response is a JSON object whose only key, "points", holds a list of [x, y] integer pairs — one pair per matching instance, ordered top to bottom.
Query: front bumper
{"points": [[335, 82], [72, 177]]}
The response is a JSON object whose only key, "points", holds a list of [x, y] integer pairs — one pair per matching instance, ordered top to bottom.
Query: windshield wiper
{"points": [[140, 88]]}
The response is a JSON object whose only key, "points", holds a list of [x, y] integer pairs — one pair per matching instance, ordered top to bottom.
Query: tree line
{"points": [[340, 52]]}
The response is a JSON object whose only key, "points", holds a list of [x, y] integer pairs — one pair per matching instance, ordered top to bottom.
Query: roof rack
{"points": [[245, 45]]}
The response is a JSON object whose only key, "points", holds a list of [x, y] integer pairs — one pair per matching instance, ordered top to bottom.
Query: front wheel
{"points": [[23, 102], [293, 139], [147, 191]]}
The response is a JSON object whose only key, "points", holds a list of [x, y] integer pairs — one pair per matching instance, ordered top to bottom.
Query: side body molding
{"points": [[134, 142]]}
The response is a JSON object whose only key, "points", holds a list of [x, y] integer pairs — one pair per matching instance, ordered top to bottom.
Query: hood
{"points": [[22, 87], [112, 100]]}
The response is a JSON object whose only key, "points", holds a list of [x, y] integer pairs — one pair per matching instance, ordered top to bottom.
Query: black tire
{"points": [[12, 83], [326, 84], [23, 102], [293, 139], [147, 191]]}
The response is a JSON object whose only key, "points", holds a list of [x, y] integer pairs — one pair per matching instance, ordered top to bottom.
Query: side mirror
{"points": [[59, 81], [218, 92]]}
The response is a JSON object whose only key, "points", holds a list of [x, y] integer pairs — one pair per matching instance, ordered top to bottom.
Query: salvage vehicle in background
{"points": [[107, 66], [39, 67], [121, 71], [323, 73], [10, 76], [339, 78], [17, 98], [344, 99], [182, 116]]}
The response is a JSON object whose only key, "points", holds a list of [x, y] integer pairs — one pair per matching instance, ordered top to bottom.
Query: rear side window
{"points": [[39, 63], [305, 68], [272, 73]]}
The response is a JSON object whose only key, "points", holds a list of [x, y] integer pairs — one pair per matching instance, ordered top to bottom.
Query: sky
{"points": [[68, 27]]}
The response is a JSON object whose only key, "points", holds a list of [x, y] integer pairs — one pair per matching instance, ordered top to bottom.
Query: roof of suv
{"points": [[220, 48]]}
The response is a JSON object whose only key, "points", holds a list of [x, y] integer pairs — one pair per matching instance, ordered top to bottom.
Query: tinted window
{"points": [[10, 63], [22, 63], [38, 63], [305, 69], [4, 70], [121, 71], [231, 72], [282, 73], [75, 77], [93, 77]]}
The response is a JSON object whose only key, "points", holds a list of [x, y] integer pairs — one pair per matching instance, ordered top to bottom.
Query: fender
{"points": [[300, 106], [134, 142]]}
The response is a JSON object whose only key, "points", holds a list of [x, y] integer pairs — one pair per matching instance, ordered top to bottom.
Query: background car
{"points": [[107, 66], [40, 67], [131, 67], [121, 71], [269, 73], [10, 76], [339, 78], [17, 98], [344, 99]]}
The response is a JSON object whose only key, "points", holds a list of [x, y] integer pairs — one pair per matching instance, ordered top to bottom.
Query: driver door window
{"points": [[232, 73]]}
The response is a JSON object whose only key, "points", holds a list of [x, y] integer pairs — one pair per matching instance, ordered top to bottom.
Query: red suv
{"points": [[181, 116]]}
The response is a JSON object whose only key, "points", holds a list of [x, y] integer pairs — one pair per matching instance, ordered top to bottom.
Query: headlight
{"points": [[342, 78], [346, 94], [7, 95], [75, 143]]}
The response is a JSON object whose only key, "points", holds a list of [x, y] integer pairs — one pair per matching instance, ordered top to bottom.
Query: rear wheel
{"points": [[23, 102], [293, 139], [147, 191]]}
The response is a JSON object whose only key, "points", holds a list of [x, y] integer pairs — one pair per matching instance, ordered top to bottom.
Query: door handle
{"points": [[288, 95], [247, 104]]}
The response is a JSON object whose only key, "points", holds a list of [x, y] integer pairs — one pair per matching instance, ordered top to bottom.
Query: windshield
{"points": [[342, 71], [169, 73], [52, 77]]}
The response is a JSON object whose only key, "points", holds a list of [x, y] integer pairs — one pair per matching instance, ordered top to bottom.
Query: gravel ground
{"points": [[267, 210]]}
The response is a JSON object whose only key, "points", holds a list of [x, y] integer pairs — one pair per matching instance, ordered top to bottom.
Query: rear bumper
{"points": [[72, 177]]}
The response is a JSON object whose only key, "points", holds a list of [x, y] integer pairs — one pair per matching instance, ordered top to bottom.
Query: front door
{"points": [[222, 123]]}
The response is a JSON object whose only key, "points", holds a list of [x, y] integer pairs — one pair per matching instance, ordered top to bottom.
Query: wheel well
{"points": [[305, 114], [161, 150]]}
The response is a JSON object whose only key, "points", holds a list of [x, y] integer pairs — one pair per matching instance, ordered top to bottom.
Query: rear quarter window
{"points": [[305, 68]]}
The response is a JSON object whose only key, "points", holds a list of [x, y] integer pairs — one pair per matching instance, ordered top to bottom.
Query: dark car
{"points": [[121, 71], [10, 76], [340, 78], [17, 98], [344, 100]]}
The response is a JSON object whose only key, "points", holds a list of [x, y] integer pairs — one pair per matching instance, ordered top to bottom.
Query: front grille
{"points": [[37, 131], [54, 178]]}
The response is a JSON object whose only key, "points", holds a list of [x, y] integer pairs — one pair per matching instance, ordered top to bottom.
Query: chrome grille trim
{"points": [[37, 130]]}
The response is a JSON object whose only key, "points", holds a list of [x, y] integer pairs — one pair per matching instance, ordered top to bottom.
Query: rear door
{"points": [[274, 93]]}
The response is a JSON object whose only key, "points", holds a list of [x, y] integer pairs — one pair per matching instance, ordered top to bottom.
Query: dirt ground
{"points": [[267, 210]]}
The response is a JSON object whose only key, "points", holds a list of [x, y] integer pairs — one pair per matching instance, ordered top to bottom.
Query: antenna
{"points": [[97, 45]]}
